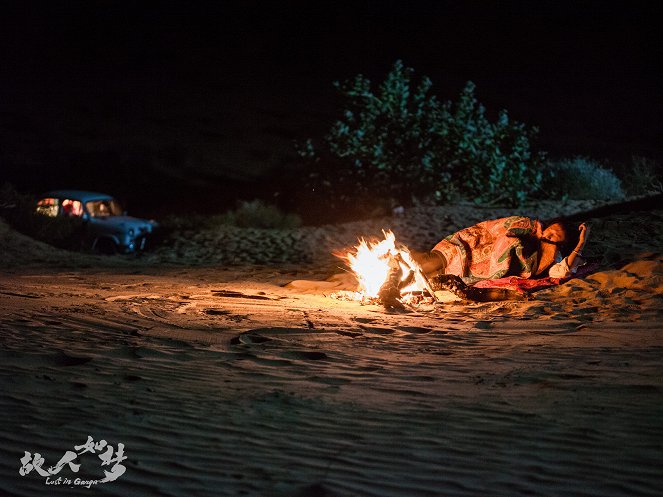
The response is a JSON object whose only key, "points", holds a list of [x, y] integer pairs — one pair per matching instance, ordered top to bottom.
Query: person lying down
{"points": [[510, 246]]}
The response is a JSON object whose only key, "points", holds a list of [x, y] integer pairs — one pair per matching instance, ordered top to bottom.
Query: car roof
{"points": [[81, 195]]}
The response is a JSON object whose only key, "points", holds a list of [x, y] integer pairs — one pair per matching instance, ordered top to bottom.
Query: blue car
{"points": [[107, 228]]}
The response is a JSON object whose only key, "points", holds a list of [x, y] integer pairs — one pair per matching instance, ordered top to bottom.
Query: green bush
{"points": [[400, 143], [581, 178], [257, 214]]}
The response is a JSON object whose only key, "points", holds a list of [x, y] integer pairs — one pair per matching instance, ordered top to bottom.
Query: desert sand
{"points": [[223, 377]]}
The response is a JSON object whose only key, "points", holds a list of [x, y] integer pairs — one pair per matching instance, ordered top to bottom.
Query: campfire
{"points": [[386, 273]]}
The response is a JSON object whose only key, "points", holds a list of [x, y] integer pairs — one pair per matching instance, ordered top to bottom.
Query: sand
{"points": [[222, 380]]}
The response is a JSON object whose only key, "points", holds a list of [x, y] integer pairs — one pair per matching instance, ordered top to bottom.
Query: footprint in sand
{"points": [[240, 295], [217, 312], [364, 320], [414, 329], [377, 331], [352, 334], [253, 338], [249, 339], [310, 355], [64, 359]]}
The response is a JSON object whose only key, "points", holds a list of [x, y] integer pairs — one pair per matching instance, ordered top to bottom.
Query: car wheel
{"points": [[106, 246]]}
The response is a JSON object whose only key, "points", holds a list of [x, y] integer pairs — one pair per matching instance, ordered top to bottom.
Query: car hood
{"points": [[123, 223]]}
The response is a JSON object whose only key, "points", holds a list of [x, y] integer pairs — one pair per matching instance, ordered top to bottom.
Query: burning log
{"points": [[387, 273], [416, 275], [390, 291]]}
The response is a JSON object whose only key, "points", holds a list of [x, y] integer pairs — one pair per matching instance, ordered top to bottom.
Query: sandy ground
{"points": [[219, 380]]}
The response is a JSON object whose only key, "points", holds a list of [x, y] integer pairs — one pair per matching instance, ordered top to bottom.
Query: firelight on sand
{"points": [[370, 264]]}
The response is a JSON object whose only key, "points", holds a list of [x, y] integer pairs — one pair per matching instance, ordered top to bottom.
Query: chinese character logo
{"points": [[110, 458]]}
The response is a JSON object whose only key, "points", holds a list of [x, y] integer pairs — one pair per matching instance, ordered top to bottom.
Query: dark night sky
{"points": [[602, 41], [575, 69]]}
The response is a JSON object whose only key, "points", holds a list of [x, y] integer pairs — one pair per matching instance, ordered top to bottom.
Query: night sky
{"points": [[587, 75]]}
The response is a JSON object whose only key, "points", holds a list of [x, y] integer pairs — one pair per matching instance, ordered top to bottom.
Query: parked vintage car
{"points": [[106, 227]]}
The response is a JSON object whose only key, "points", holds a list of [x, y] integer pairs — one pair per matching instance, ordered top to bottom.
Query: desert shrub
{"points": [[399, 142], [494, 160], [645, 177], [581, 178], [19, 211], [257, 214]]}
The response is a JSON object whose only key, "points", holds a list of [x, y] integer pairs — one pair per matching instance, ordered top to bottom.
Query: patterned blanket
{"points": [[492, 249]]}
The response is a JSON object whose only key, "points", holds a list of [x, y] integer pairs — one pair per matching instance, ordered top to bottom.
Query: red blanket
{"points": [[527, 285]]}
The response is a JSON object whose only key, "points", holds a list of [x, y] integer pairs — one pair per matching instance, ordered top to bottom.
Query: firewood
{"points": [[390, 292]]}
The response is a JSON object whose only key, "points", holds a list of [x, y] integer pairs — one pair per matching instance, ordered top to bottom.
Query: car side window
{"points": [[48, 206], [72, 208]]}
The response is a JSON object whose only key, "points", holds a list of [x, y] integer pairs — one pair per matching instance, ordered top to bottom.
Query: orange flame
{"points": [[370, 264]]}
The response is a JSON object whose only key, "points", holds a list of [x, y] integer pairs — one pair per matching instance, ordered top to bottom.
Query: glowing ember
{"points": [[370, 264]]}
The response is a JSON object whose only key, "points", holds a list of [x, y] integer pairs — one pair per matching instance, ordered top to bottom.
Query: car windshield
{"points": [[103, 208]]}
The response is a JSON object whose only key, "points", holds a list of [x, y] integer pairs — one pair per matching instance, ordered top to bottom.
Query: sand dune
{"points": [[225, 380], [222, 382]]}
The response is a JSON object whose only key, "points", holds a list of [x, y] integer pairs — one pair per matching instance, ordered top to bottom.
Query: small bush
{"points": [[398, 142], [645, 177], [581, 178], [257, 214]]}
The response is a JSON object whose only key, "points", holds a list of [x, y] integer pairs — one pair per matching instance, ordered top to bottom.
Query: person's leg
{"points": [[432, 262]]}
